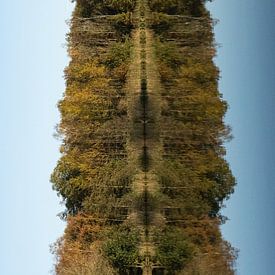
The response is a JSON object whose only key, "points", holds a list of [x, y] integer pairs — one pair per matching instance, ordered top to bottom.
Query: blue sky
{"points": [[246, 59], [32, 63]]}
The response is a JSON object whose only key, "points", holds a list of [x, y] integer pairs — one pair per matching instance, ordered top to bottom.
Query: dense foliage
{"points": [[87, 8], [142, 171], [122, 248]]}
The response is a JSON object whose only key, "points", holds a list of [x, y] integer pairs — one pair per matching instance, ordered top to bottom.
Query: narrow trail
{"points": [[143, 94]]}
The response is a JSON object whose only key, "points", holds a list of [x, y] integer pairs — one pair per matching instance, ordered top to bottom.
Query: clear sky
{"points": [[32, 62], [247, 62]]}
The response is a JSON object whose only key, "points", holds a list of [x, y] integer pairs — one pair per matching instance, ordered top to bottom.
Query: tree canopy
{"points": [[142, 171]]}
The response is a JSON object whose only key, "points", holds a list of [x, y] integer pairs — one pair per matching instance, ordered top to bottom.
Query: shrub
{"points": [[118, 54], [122, 247], [173, 249]]}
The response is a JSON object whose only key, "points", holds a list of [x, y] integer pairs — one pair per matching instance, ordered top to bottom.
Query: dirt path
{"points": [[144, 148]]}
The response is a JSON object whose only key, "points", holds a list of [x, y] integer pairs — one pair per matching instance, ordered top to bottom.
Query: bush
{"points": [[120, 6], [188, 7], [87, 8], [160, 22], [123, 23], [118, 54], [168, 54], [122, 247], [173, 249], [72, 260]]}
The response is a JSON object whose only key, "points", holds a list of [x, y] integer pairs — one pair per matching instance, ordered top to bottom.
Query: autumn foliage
{"points": [[102, 126]]}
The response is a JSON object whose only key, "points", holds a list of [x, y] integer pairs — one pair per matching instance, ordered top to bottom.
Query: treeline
{"points": [[95, 173], [194, 175]]}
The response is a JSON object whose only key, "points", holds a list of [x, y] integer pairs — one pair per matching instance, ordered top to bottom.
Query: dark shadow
{"points": [[135, 271], [158, 271]]}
